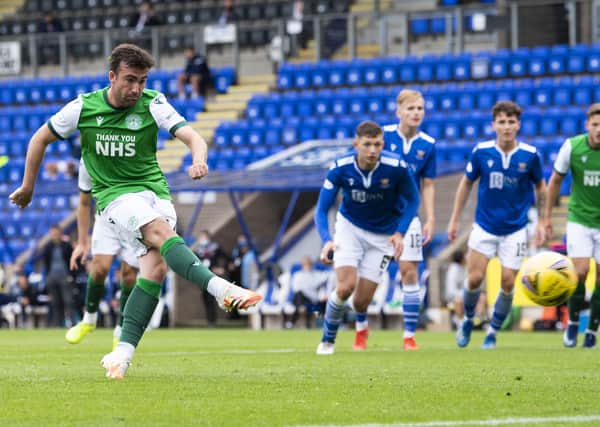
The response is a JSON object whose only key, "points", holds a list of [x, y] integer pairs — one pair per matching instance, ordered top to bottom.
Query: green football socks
{"points": [[184, 262], [125, 292], [94, 293], [576, 302], [139, 309], [595, 310]]}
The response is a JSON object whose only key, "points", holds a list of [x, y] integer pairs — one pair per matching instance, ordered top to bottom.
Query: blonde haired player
{"points": [[417, 149]]}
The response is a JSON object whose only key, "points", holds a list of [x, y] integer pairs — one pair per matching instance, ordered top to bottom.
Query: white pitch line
{"points": [[205, 352], [494, 422]]}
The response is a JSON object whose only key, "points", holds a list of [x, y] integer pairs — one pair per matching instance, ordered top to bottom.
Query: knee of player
{"points": [[156, 232], [408, 271], [99, 272], [129, 276], [475, 279]]}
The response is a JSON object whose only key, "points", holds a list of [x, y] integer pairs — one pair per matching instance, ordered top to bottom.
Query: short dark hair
{"points": [[133, 56], [507, 107], [593, 110], [369, 129]]}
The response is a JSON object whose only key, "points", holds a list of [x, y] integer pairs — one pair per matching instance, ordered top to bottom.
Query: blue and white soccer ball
{"points": [[548, 278]]}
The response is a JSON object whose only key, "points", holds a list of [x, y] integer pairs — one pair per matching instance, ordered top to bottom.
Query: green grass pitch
{"points": [[188, 377]]}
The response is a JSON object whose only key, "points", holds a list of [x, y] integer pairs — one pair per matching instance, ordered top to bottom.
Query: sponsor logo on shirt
{"points": [[99, 120], [115, 145], [591, 178]]}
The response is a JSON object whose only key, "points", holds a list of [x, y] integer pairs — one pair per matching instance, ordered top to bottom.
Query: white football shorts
{"points": [[129, 212], [106, 241], [583, 241], [413, 242], [511, 249], [369, 252]]}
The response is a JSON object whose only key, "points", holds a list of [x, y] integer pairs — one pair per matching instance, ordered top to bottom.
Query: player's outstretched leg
{"points": [[186, 264], [94, 293], [575, 304], [411, 305], [501, 310], [334, 314], [362, 332], [463, 332], [589, 341]]}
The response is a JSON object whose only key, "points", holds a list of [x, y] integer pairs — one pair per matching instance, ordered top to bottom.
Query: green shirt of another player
{"points": [[118, 145], [584, 163]]}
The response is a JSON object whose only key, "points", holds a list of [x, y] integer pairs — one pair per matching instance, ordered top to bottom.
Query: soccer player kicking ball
{"points": [[118, 128], [417, 149], [580, 155], [508, 171], [379, 201], [106, 244]]}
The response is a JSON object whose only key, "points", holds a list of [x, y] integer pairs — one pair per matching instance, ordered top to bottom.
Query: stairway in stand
{"points": [[223, 107]]}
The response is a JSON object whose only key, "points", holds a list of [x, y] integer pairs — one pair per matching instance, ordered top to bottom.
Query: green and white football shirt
{"points": [[118, 146], [584, 163]]}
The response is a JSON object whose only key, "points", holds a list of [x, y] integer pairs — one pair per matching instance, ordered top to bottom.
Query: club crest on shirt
{"points": [[133, 121], [420, 154], [584, 158], [490, 163], [522, 167], [385, 183]]}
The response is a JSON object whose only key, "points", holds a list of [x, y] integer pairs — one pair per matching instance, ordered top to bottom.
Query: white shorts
{"points": [[129, 212], [106, 241], [583, 241], [413, 242], [511, 249], [369, 252]]}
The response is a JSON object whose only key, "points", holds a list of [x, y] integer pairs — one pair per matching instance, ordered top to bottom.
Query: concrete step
{"points": [[268, 79], [250, 88], [233, 97], [226, 106], [217, 115], [204, 124]]}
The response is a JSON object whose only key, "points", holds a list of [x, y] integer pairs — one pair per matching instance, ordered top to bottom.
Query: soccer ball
{"points": [[548, 278]]}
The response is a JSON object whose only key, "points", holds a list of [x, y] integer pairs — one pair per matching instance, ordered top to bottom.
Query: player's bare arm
{"points": [[198, 148], [35, 153], [552, 192], [462, 194], [428, 196], [541, 200], [397, 240], [82, 247], [328, 247]]}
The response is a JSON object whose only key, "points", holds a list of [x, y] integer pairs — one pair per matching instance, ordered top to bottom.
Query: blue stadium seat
{"points": [[419, 26], [556, 61], [499, 63], [425, 68], [389, 70], [408, 70], [337, 73], [319, 74], [562, 96]]}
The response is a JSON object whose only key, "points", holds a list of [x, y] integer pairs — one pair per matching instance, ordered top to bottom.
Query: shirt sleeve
{"points": [[165, 116], [65, 122], [562, 164], [472, 170], [84, 180], [326, 200]]}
